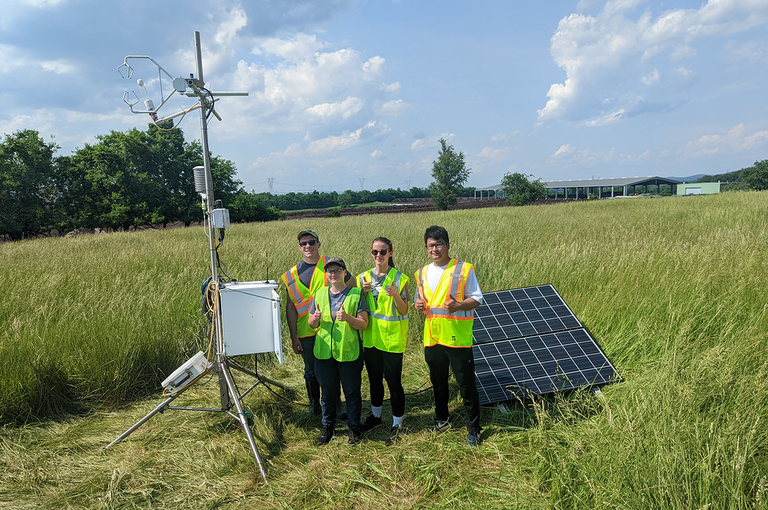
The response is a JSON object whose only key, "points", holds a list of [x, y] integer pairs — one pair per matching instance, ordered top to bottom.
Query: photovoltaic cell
{"points": [[527, 341]]}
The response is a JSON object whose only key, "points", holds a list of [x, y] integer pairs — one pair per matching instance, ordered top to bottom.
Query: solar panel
{"points": [[527, 341]]}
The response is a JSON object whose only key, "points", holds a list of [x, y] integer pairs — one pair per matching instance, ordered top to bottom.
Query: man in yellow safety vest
{"points": [[301, 283], [447, 293]]}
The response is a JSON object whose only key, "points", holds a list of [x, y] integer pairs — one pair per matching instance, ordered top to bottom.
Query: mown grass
{"points": [[673, 289]]}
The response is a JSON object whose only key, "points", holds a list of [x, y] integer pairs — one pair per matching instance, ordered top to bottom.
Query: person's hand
{"points": [[366, 287], [391, 290], [419, 304], [451, 305], [317, 315], [341, 315], [296, 344]]}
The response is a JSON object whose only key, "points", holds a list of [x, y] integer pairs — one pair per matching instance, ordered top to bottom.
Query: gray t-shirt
{"points": [[306, 270], [377, 286], [338, 299]]}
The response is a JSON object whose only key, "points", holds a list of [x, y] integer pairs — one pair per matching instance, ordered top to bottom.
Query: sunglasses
{"points": [[311, 242], [382, 252]]}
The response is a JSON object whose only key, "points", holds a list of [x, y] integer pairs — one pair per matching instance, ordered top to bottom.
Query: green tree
{"points": [[450, 174], [756, 177], [27, 184], [520, 190], [247, 207]]}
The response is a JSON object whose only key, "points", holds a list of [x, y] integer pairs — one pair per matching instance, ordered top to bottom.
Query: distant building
{"points": [[597, 188], [698, 188]]}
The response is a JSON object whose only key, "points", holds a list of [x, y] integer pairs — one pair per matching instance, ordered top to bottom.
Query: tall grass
{"points": [[673, 289]]}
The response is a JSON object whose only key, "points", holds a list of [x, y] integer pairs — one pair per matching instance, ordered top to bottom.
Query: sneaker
{"points": [[370, 423], [442, 425], [394, 434], [326, 436], [354, 436], [473, 439]]}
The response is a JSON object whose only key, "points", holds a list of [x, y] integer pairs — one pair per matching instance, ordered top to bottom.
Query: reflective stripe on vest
{"points": [[301, 296], [440, 326], [387, 330], [335, 338]]}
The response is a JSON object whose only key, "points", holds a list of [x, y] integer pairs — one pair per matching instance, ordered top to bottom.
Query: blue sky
{"points": [[347, 94]]}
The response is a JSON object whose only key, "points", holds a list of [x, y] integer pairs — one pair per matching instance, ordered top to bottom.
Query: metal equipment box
{"points": [[250, 315], [186, 373]]}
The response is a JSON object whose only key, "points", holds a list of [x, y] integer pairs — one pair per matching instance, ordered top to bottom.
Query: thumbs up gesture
{"points": [[366, 287], [391, 290], [419, 303], [451, 305], [317, 315], [341, 315]]}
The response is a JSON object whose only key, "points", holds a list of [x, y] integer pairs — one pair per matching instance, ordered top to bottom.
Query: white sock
{"points": [[376, 411], [397, 421]]}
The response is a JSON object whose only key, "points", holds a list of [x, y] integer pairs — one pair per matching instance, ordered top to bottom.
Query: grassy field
{"points": [[673, 289]]}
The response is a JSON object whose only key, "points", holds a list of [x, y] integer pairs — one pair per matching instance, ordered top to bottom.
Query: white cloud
{"points": [[42, 4], [229, 27], [294, 50], [606, 57], [58, 66], [374, 67], [652, 78], [297, 85], [392, 88], [395, 108], [345, 109], [606, 119], [41, 121], [372, 130], [734, 141], [427, 142], [563, 151], [377, 154], [496, 154]]}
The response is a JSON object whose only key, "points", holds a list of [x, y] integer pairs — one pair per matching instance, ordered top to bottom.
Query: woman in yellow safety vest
{"points": [[386, 291], [338, 314]]}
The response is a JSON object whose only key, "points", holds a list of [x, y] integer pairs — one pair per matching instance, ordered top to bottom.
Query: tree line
{"points": [[134, 178], [750, 178], [125, 179], [324, 200]]}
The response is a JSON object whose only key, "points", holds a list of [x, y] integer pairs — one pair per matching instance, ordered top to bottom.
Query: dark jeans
{"points": [[308, 354], [462, 363], [386, 365], [349, 373]]}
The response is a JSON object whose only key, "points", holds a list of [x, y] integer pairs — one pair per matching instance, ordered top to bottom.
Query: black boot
{"points": [[313, 391]]}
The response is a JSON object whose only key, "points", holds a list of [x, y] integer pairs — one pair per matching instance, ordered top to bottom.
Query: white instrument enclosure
{"points": [[250, 316], [186, 373]]}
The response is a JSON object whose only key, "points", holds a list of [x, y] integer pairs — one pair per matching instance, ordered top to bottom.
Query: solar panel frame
{"points": [[528, 341]]}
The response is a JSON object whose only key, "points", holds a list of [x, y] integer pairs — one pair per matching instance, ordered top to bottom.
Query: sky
{"points": [[356, 94]]}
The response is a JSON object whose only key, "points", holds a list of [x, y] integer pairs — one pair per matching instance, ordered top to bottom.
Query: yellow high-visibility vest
{"points": [[301, 296], [440, 326], [387, 330], [336, 338]]}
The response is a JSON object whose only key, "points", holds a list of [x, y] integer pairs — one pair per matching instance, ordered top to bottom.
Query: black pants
{"points": [[462, 363], [386, 365], [330, 373]]}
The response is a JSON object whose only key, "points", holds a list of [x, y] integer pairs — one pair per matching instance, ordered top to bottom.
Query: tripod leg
{"points": [[224, 371], [139, 423]]}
